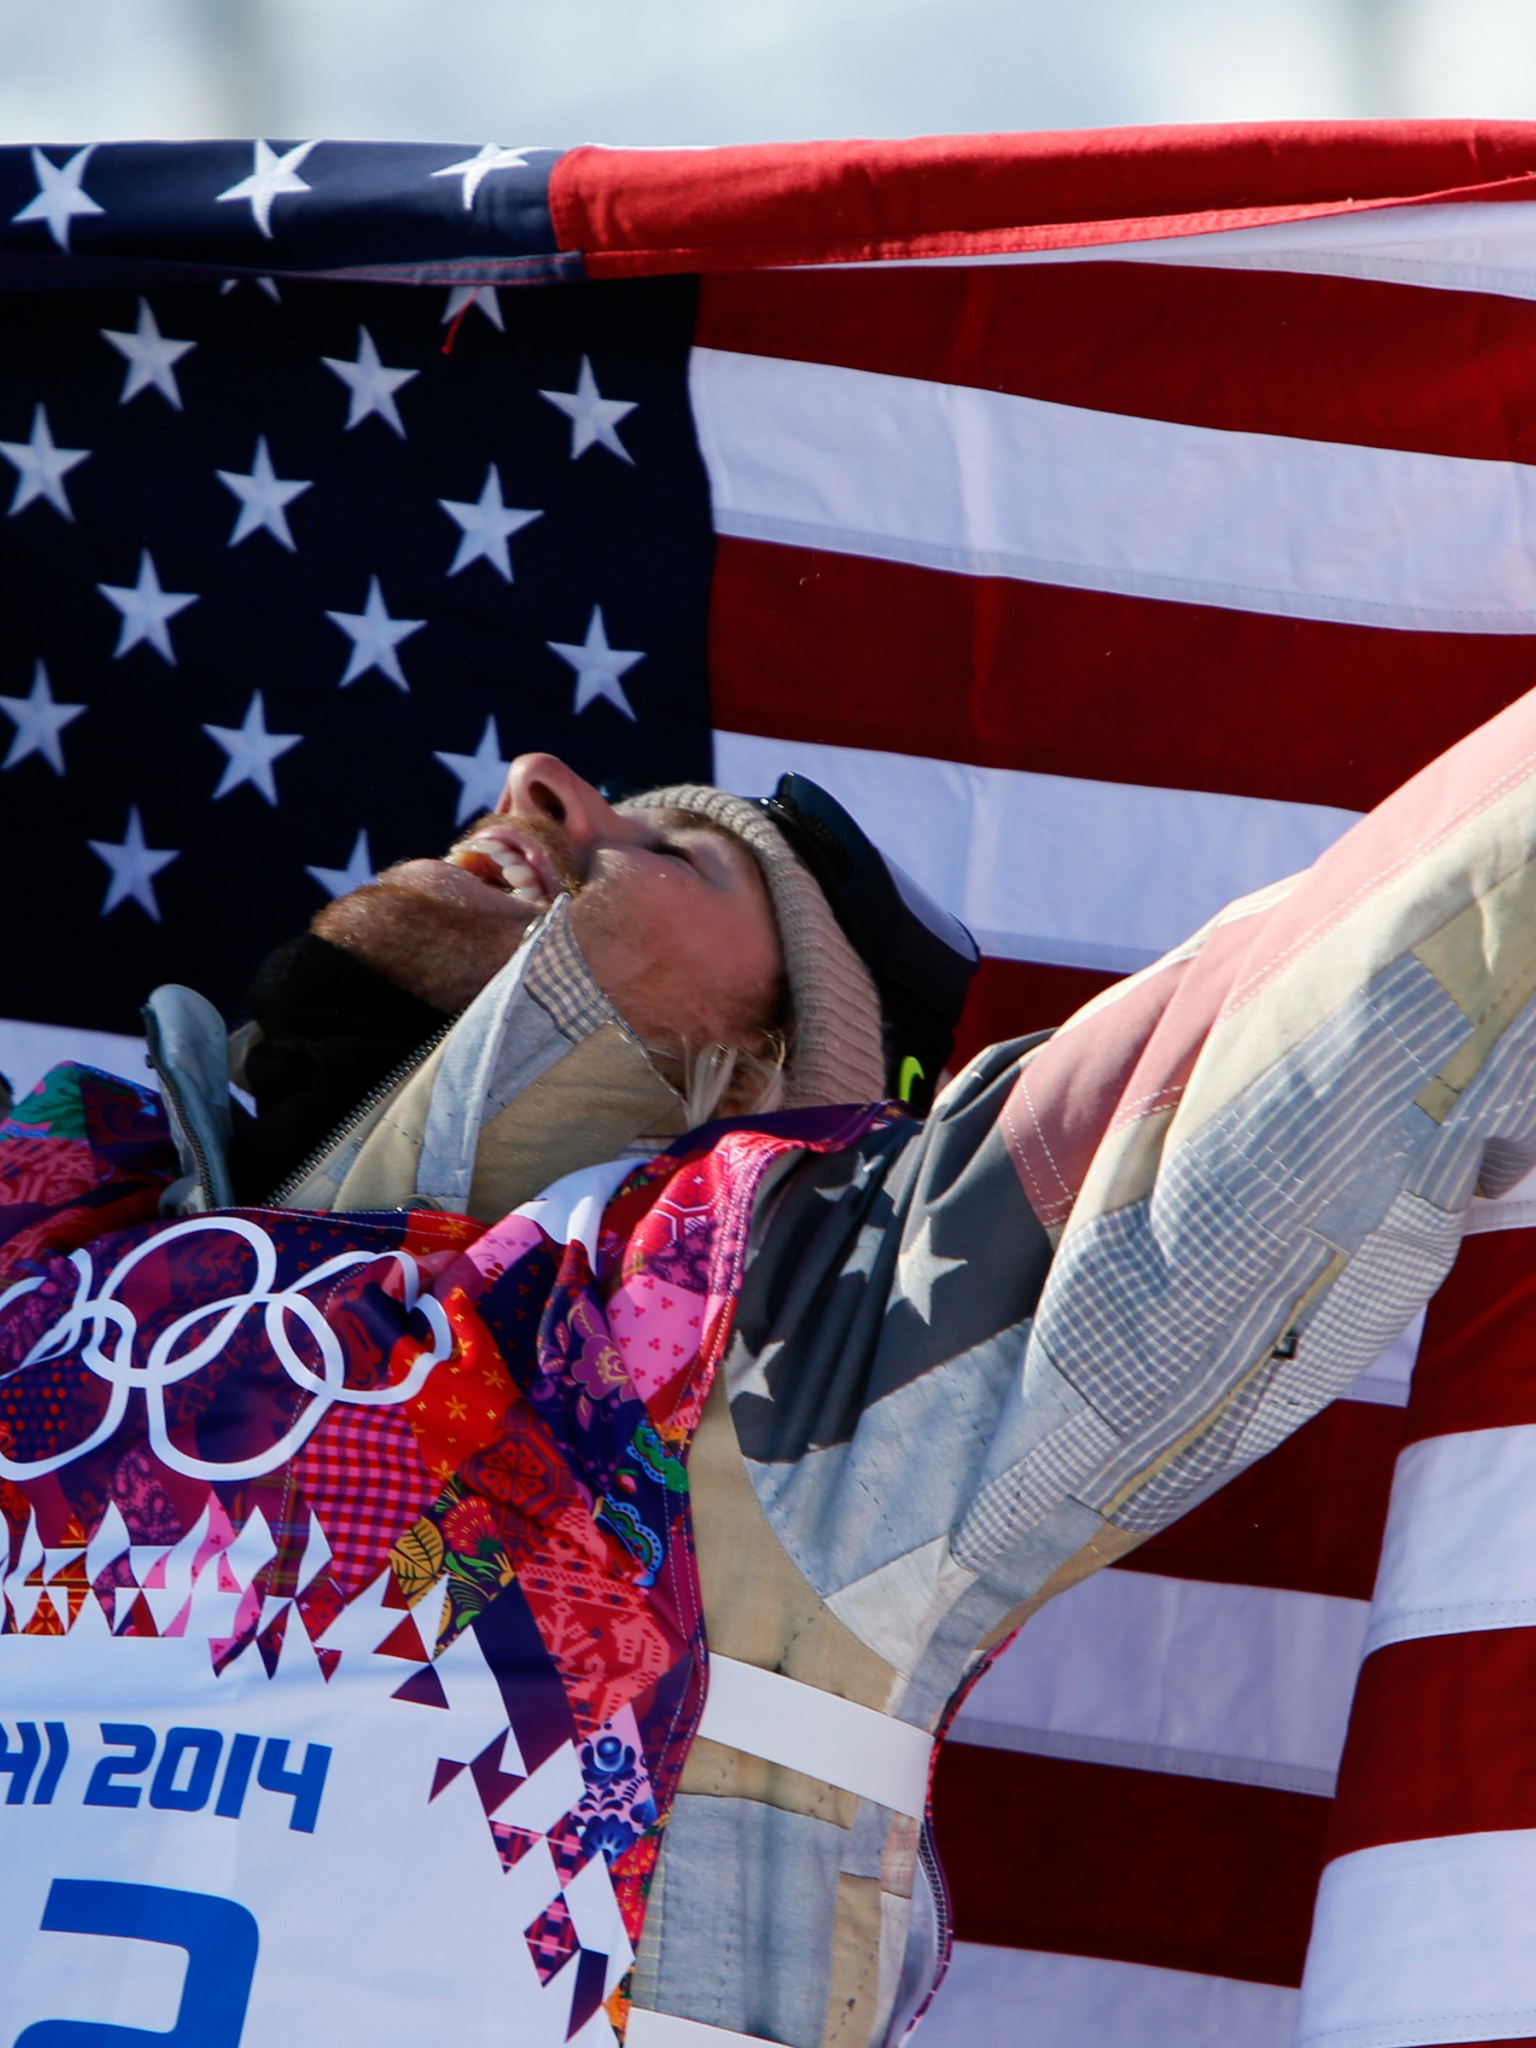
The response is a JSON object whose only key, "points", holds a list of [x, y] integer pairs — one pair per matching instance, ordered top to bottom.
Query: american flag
{"points": [[1108, 520]]}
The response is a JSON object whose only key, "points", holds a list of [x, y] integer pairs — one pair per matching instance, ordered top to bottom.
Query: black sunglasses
{"points": [[921, 958]]}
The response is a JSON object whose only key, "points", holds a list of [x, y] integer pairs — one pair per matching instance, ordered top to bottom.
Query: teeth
{"points": [[515, 870], [516, 873], [517, 878]]}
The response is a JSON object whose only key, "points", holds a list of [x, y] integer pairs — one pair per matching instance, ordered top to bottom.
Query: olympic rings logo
{"points": [[107, 1332]]}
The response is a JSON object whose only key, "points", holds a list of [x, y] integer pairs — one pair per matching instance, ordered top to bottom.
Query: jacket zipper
{"points": [[279, 1197]]}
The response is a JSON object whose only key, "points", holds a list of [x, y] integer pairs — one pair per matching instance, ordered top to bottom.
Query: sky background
{"points": [[713, 71]]}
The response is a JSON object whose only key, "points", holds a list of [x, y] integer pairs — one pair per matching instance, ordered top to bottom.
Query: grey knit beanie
{"points": [[838, 1053]]}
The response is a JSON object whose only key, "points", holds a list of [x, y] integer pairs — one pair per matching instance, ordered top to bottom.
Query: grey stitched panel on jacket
{"points": [[737, 1888]]}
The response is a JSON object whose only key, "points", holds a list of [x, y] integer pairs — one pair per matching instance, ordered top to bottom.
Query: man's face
{"points": [[672, 915]]}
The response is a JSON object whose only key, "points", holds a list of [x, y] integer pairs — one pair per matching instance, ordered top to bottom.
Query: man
{"points": [[671, 919], [373, 1512]]}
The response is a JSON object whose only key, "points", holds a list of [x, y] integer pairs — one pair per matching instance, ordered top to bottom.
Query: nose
{"points": [[543, 785]]}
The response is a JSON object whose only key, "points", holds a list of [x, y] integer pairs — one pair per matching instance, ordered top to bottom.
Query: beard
{"points": [[440, 930]]}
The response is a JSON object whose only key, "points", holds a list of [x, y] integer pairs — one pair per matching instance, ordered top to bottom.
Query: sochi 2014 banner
{"points": [[1108, 520]]}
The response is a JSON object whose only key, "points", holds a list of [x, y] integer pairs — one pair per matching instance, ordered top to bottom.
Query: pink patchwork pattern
{"points": [[503, 1245], [656, 1325], [363, 1477]]}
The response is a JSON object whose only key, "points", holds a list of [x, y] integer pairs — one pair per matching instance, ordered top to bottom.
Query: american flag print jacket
{"points": [[278, 1674]]}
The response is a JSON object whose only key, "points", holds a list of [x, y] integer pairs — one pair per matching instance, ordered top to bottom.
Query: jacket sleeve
{"points": [[977, 1359]]}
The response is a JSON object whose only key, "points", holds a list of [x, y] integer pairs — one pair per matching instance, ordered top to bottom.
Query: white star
{"points": [[491, 157], [271, 176], [59, 196], [266, 284], [462, 296], [150, 357], [372, 387], [594, 419], [40, 467], [262, 495], [485, 526], [147, 611], [375, 636], [598, 666], [39, 721], [251, 750], [481, 774], [134, 867], [357, 873], [919, 1267], [749, 1373]]}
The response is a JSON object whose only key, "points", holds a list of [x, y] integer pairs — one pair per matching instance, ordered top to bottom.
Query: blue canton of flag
{"points": [[292, 565]]}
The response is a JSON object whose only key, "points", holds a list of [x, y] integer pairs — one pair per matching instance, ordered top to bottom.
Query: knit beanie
{"points": [[838, 1052]]}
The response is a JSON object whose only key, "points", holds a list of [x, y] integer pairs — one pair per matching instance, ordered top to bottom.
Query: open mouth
{"points": [[502, 861]]}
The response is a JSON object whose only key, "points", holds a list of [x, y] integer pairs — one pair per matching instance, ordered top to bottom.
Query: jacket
{"points": [[697, 1488]]}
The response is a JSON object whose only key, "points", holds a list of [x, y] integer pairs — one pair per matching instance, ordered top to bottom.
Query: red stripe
{"points": [[638, 210], [1320, 358], [840, 649], [1010, 998], [1477, 1363], [1308, 1518], [1439, 1741], [1135, 1866]]}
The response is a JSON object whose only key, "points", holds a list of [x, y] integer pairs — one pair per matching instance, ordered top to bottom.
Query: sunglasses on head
{"points": [[920, 958]]}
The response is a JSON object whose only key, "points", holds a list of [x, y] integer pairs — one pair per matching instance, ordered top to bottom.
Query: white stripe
{"points": [[1476, 246], [988, 484], [1052, 867], [27, 1051], [1460, 1546], [1237, 1682], [806, 1729], [1147, 1756], [1419, 1942], [1020, 1998], [664, 2030]]}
